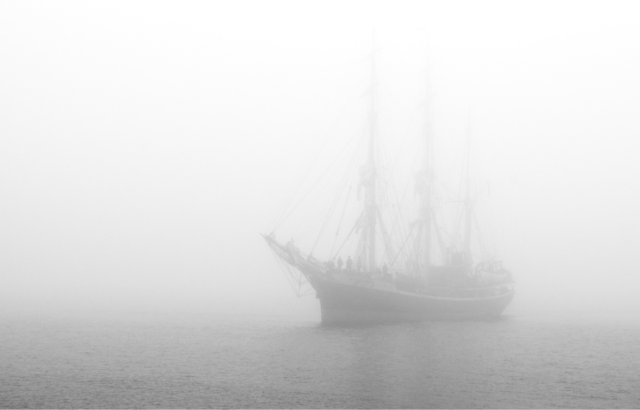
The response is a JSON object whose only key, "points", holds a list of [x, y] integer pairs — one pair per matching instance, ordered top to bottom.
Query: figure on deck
{"points": [[291, 245], [340, 263], [349, 263], [385, 272]]}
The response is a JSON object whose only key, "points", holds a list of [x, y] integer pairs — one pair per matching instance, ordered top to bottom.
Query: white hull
{"points": [[362, 299]]}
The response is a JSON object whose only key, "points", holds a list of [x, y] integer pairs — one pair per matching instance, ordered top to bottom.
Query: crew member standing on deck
{"points": [[340, 263], [349, 263]]}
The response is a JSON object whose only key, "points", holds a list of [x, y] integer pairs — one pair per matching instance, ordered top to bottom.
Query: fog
{"points": [[145, 146]]}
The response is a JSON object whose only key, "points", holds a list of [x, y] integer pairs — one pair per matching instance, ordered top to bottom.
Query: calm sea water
{"points": [[187, 362]]}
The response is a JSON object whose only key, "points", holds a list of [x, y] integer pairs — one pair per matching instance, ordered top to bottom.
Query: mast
{"points": [[424, 181], [371, 189], [468, 204], [367, 247]]}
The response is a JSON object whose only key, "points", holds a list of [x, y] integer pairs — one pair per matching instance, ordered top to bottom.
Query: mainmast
{"points": [[424, 181], [371, 192]]}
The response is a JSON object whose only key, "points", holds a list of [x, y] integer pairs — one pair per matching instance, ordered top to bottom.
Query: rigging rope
{"points": [[336, 169], [310, 189], [346, 202], [331, 209], [281, 218], [348, 236], [402, 247]]}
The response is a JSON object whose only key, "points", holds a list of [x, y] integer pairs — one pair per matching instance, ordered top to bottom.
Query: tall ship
{"points": [[397, 270]]}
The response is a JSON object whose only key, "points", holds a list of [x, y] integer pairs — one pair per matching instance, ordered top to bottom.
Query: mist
{"points": [[145, 146]]}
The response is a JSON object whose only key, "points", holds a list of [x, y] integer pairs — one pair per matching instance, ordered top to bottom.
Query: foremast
{"points": [[367, 247]]}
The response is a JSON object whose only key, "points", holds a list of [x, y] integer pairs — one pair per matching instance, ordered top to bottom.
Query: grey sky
{"points": [[144, 146]]}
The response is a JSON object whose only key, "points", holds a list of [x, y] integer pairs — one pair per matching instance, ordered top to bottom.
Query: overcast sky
{"points": [[144, 146]]}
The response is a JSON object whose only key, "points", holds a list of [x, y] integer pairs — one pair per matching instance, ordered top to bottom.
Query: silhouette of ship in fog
{"points": [[403, 282]]}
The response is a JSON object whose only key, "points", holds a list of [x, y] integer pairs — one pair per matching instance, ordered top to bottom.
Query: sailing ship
{"points": [[404, 282]]}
